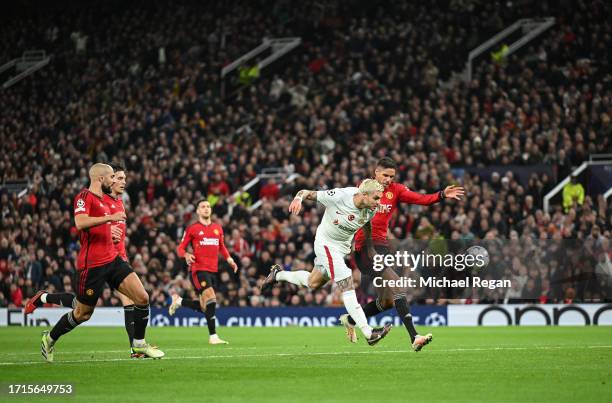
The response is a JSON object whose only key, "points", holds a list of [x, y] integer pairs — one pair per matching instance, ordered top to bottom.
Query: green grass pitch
{"points": [[521, 364]]}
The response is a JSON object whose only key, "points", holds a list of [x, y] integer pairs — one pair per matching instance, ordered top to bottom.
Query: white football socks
{"points": [[295, 277], [356, 311]]}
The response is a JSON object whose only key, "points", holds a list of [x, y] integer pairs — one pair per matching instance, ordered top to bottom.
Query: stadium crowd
{"points": [[138, 88]]}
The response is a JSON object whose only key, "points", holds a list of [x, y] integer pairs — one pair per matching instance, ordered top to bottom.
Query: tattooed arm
{"points": [[307, 195], [296, 205]]}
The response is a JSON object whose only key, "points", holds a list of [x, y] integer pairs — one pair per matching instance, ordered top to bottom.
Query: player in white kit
{"points": [[346, 211]]}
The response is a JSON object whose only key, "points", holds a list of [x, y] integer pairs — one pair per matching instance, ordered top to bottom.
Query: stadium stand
{"points": [[141, 87]]}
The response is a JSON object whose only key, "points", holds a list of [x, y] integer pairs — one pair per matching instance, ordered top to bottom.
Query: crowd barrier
{"points": [[423, 315]]}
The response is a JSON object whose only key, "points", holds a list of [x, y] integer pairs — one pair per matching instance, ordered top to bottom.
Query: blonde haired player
{"points": [[346, 211]]}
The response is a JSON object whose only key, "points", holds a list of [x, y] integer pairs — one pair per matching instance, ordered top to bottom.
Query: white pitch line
{"points": [[520, 348], [81, 352], [311, 354]]}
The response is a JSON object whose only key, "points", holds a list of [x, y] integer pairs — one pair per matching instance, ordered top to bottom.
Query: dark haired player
{"points": [[393, 194], [115, 202], [118, 232], [206, 239], [98, 263]]}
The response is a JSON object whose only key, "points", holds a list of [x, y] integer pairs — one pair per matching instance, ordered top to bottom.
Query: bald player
{"points": [[118, 233], [98, 263]]}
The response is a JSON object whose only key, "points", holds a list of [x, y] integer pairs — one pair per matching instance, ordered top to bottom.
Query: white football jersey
{"points": [[341, 219]]}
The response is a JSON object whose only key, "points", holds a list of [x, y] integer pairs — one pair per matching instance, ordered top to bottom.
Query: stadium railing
{"points": [[531, 29], [29, 62], [593, 161]]}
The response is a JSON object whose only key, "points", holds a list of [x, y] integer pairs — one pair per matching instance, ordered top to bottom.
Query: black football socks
{"points": [[372, 308], [128, 312], [211, 319], [63, 326]]}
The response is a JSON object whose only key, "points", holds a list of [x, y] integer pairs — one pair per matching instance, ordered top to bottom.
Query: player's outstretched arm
{"points": [[410, 197], [296, 205]]}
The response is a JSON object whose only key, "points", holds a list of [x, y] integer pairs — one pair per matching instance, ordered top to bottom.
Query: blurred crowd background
{"points": [[138, 84]]}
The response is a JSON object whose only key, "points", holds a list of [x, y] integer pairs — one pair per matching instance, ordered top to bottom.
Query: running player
{"points": [[393, 194], [346, 211], [118, 232], [206, 239], [98, 263]]}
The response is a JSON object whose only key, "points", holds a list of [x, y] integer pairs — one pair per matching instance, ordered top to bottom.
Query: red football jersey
{"points": [[392, 195], [116, 206], [206, 241], [97, 247]]}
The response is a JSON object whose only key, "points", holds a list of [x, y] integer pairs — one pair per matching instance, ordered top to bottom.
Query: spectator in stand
{"points": [[549, 105], [269, 191], [573, 194], [239, 246], [16, 296]]}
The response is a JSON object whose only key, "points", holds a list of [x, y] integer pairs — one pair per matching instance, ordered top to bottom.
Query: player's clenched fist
{"points": [[116, 233], [189, 258], [232, 264]]}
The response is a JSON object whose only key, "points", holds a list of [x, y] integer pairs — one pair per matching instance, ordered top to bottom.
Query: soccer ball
{"points": [[481, 256]]}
